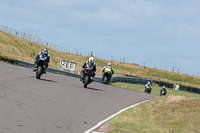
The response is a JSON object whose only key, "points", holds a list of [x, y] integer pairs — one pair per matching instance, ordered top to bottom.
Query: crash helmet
{"points": [[45, 50], [91, 59], [109, 64], [148, 83], [163, 86]]}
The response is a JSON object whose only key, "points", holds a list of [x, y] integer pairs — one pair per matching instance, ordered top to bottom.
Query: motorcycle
{"points": [[41, 66], [106, 77], [88, 78], [148, 89], [163, 92]]}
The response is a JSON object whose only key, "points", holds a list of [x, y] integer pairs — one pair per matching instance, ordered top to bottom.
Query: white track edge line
{"points": [[101, 122]]}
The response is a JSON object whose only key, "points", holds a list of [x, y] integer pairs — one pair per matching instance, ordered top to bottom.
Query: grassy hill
{"points": [[18, 48]]}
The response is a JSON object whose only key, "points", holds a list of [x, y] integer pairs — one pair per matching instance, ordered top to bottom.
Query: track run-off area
{"points": [[56, 103]]}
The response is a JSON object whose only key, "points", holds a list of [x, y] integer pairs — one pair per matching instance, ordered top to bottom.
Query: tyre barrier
{"points": [[134, 80], [184, 88], [195, 90]]}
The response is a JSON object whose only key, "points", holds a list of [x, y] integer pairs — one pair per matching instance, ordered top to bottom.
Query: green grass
{"points": [[177, 112], [160, 115]]}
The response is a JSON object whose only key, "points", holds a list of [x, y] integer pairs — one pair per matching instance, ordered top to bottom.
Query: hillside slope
{"points": [[18, 48]]}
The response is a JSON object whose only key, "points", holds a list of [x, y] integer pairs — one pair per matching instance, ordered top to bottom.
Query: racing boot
{"points": [[35, 68]]}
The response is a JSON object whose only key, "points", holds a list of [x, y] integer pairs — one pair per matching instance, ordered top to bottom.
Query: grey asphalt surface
{"points": [[56, 103]]}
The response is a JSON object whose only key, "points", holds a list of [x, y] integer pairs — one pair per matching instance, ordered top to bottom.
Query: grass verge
{"points": [[177, 112]]}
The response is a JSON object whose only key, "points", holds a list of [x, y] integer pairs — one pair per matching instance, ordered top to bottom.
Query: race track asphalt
{"points": [[56, 103]]}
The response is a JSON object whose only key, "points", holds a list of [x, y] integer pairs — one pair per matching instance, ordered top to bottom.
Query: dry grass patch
{"points": [[160, 115]]}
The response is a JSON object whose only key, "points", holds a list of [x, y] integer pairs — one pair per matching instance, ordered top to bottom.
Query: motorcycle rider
{"points": [[43, 54], [89, 64], [107, 68], [148, 85], [163, 91]]}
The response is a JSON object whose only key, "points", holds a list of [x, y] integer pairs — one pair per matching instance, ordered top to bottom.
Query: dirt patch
{"points": [[106, 127]]}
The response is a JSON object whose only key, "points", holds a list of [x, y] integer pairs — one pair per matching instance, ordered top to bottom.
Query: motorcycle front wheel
{"points": [[38, 72], [86, 82]]}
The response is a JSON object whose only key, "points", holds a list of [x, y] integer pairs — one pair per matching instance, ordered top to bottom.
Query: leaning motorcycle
{"points": [[41, 66], [88, 72], [106, 77], [148, 89], [163, 92]]}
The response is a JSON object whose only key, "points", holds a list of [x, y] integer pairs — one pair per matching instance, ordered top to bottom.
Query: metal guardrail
{"points": [[96, 79]]}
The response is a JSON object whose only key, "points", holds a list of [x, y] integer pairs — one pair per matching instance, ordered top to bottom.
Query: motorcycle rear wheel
{"points": [[105, 80]]}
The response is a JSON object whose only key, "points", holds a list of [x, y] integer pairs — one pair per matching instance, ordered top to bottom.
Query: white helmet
{"points": [[91, 59], [109, 64], [148, 83]]}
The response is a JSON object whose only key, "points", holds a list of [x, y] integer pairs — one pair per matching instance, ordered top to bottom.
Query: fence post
{"points": [[23, 35], [38, 40], [91, 54], [123, 59], [144, 64]]}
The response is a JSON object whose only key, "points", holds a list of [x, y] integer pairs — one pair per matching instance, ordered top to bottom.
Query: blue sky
{"points": [[157, 32]]}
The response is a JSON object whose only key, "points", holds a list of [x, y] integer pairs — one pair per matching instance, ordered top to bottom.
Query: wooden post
{"points": [[91, 54], [111, 59], [123, 59], [144, 64], [154, 66], [173, 69], [178, 71]]}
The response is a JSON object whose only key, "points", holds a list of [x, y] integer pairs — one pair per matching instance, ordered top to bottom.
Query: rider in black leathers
{"points": [[43, 54], [88, 64], [163, 91]]}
